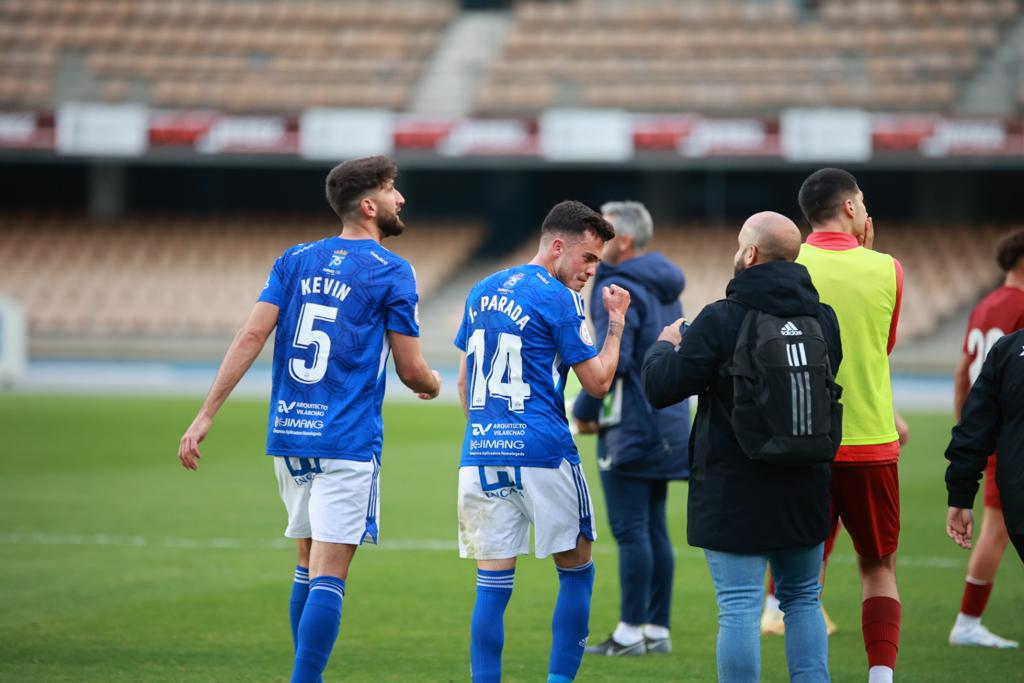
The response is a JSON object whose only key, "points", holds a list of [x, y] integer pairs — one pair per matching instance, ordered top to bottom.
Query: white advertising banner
{"points": [[102, 129], [337, 134], [826, 134], [586, 135], [13, 341]]}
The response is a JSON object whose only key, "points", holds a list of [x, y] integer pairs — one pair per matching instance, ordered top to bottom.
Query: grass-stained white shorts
{"points": [[330, 500], [497, 505]]}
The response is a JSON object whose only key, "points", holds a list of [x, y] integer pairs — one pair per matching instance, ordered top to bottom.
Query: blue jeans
{"points": [[636, 514], [739, 586]]}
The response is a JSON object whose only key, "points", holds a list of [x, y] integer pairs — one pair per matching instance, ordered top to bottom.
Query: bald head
{"points": [[776, 237]]}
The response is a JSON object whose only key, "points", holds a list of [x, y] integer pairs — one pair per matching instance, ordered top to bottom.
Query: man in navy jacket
{"points": [[640, 449]]}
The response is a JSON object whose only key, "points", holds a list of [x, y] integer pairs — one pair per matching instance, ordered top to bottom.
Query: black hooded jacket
{"points": [[992, 420], [736, 504]]}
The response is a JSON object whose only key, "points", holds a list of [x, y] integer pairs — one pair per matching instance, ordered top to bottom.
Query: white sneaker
{"points": [[976, 635]]}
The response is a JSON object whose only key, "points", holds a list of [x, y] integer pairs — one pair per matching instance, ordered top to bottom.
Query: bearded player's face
{"points": [[389, 203]]}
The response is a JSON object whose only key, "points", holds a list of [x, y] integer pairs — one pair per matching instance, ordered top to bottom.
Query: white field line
{"points": [[406, 544]]}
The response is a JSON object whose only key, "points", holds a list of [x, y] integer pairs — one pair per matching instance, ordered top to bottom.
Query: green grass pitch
{"points": [[117, 565]]}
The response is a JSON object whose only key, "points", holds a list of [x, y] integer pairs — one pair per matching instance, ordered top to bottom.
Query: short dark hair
{"points": [[348, 182], [824, 192], [576, 218], [1010, 249]]}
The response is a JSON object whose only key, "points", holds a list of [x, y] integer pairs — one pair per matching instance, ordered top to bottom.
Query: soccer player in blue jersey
{"points": [[340, 306], [522, 330]]}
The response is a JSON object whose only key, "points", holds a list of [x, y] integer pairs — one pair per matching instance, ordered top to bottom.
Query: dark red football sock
{"points": [[975, 598], [880, 622]]}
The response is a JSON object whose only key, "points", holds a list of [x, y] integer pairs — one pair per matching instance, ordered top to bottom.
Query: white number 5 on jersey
{"points": [[306, 336]]}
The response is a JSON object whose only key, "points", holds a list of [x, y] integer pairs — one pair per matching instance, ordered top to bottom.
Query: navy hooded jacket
{"points": [[636, 439]]}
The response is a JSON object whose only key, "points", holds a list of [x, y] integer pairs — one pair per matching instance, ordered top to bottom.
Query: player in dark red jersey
{"points": [[998, 314]]}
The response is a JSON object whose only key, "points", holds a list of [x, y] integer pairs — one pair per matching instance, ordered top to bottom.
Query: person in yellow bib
{"points": [[865, 288]]}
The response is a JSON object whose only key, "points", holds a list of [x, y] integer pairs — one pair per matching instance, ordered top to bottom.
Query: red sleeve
{"points": [[896, 308]]}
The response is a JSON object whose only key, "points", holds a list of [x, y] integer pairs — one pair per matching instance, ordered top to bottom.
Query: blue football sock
{"points": [[300, 590], [570, 625], [318, 628], [487, 629]]}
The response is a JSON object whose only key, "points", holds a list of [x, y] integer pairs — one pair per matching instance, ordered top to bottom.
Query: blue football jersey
{"points": [[337, 299], [522, 330]]}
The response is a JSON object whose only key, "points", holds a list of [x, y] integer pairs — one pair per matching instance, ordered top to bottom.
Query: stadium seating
{"points": [[228, 54], [742, 55], [753, 56], [174, 276]]}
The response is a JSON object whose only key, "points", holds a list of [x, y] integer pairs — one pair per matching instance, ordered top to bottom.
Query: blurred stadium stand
{"points": [[234, 56], [728, 56], [737, 56], [132, 270], [172, 280]]}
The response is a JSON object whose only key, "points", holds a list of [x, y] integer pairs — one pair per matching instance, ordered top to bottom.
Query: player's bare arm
{"points": [[239, 357], [412, 368], [596, 374], [461, 384], [961, 384], [902, 430]]}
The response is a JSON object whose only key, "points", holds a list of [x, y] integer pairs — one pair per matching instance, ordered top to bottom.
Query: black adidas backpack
{"points": [[784, 392]]}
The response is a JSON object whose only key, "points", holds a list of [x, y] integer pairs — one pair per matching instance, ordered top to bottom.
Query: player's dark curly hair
{"points": [[349, 182], [824, 192], [576, 218], [1010, 249]]}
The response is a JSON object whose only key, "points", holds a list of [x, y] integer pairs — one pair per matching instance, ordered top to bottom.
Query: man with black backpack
{"points": [[762, 363]]}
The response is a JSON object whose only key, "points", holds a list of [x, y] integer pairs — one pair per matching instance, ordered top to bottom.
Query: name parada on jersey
{"points": [[325, 285], [502, 304]]}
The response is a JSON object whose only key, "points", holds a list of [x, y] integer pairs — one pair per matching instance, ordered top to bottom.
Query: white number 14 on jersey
{"points": [[505, 376]]}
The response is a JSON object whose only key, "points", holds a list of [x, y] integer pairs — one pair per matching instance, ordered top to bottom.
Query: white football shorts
{"points": [[330, 500], [497, 505]]}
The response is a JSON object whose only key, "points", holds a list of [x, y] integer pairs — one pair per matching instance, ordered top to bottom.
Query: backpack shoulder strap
{"points": [[740, 364]]}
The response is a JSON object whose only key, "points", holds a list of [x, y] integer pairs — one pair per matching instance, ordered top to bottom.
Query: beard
{"points": [[390, 225], [738, 266]]}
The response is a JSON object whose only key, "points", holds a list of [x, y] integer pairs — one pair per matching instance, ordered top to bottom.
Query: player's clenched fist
{"points": [[616, 301]]}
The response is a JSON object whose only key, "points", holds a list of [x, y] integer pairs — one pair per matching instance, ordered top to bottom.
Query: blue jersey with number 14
{"points": [[337, 299], [522, 330]]}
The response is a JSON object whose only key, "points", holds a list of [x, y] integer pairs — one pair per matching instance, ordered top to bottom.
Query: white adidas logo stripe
{"points": [[790, 330]]}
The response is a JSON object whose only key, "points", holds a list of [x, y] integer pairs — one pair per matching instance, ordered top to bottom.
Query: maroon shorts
{"points": [[991, 490], [867, 500]]}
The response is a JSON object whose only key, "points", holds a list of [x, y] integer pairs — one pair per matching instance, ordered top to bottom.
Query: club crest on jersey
{"points": [[513, 280], [790, 330], [585, 334]]}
